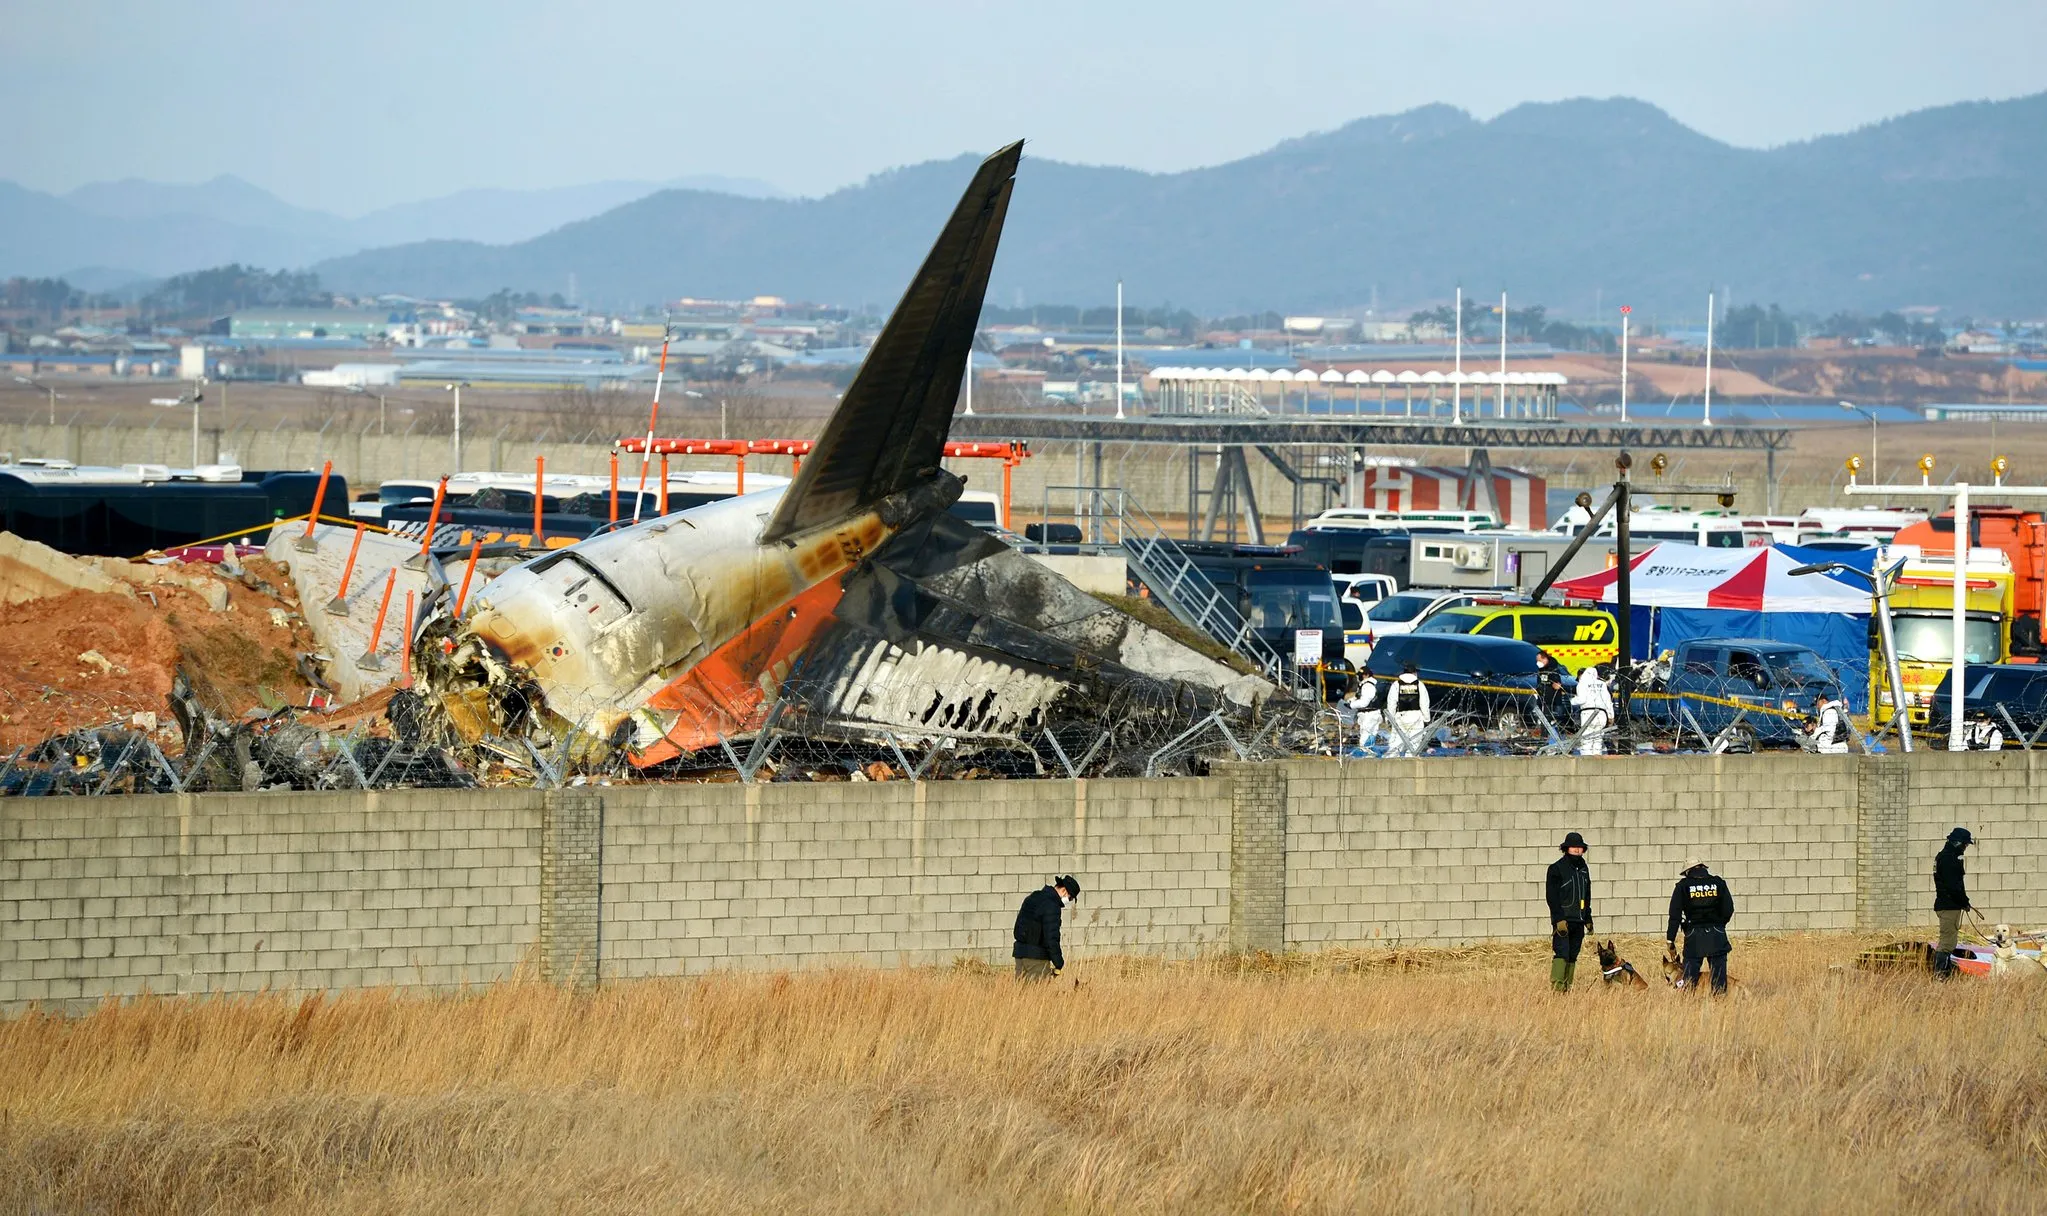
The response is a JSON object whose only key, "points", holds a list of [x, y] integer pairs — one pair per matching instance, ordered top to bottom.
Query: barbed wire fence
{"points": [[811, 730]]}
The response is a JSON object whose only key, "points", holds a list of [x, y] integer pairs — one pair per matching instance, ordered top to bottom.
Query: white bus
{"points": [[1337, 519]]}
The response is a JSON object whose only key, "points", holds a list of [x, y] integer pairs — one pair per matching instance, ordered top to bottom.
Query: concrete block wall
{"points": [[2000, 799], [1451, 851], [719, 876], [435, 888], [240, 892]]}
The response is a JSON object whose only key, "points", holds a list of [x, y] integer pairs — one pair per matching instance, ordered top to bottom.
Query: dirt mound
{"points": [[239, 659]]}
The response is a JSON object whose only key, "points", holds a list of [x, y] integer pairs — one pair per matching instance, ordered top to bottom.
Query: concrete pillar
{"points": [[1883, 798], [1257, 856], [571, 866]]}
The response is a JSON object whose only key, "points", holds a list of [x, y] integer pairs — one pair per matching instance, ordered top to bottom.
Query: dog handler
{"points": [[1569, 889], [1950, 898], [1702, 903], [1037, 952]]}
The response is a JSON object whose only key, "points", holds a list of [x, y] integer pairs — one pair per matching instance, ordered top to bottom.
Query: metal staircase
{"points": [[1180, 586]]}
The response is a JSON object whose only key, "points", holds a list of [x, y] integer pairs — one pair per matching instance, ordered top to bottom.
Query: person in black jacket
{"points": [[1569, 888], [1950, 897], [1703, 904], [1037, 951]]}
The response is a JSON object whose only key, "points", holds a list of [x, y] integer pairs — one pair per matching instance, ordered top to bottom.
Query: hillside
{"points": [[1563, 203]]}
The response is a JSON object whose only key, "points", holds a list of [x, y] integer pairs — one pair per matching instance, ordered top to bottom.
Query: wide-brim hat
{"points": [[1573, 841], [1691, 863], [1071, 884]]}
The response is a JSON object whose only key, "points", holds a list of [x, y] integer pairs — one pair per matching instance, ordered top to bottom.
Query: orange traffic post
{"points": [[742, 473], [539, 480], [1008, 483], [664, 484], [614, 485], [433, 515], [306, 544], [469, 572], [339, 604], [405, 646], [370, 659]]}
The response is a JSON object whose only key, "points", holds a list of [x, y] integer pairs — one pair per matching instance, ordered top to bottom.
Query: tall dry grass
{"points": [[1444, 1081]]}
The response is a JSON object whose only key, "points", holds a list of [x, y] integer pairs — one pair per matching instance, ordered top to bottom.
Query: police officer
{"points": [[1409, 702], [1369, 707], [1595, 710], [1829, 731], [1982, 735], [1569, 891], [1950, 897], [1702, 903], [1037, 951]]}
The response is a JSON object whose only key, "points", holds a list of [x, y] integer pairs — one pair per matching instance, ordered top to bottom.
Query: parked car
{"points": [[1356, 594], [1397, 614], [1575, 637], [1451, 663], [2021, 688], [1766, 691]]}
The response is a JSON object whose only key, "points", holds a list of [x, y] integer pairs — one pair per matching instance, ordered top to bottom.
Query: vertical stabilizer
{"points": [[889, 431]]}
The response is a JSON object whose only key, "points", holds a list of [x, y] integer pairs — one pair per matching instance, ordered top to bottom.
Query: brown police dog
{"points": [[1616, 970]]}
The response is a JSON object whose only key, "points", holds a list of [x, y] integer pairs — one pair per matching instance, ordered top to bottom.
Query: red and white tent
{"points": [[1744, 580]]}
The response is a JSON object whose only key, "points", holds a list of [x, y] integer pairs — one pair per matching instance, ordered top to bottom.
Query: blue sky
{"points": [[352, 106]]}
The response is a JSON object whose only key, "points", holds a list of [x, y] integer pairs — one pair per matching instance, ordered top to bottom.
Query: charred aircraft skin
{"points": [[673, 634]]}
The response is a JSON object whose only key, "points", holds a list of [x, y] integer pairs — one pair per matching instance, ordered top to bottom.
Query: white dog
{"points": [[2006, 963]]}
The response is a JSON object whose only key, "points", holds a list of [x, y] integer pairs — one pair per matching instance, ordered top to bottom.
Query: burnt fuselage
{"points": [[612, 628]]}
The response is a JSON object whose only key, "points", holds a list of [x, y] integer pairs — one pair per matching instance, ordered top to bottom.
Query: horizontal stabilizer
{"points": [[889, 431]]}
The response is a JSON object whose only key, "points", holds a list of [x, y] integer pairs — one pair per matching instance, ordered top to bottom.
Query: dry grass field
{"points": [[1423, 1081]]}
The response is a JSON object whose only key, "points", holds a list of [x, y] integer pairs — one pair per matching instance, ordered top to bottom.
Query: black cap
{"points": [[1408, 668], [1960, 836], [1572, 841], [1071, 884]]}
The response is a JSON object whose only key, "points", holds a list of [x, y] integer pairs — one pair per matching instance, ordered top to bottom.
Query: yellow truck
{"points": [[1922, 617]]}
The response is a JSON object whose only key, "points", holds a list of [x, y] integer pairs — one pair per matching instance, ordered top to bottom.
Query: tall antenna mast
{"points": [[653, 416]]}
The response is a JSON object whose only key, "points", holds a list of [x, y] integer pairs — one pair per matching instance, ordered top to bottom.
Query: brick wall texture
{"points": [[438, 888]]}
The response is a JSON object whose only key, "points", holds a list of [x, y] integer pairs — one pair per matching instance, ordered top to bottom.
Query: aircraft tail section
{"points": [[889, 431]]}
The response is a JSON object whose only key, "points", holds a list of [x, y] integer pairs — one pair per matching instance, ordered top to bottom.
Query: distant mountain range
{"points": [[1562, 203], [107, 234]]}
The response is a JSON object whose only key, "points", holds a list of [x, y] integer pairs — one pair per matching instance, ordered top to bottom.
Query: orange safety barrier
{"points": [[1010, 454]]}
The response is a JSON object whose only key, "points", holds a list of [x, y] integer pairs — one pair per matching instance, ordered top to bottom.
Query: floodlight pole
{"points": [[1625, 310], [1119, 353], [1457, 353], [1709, 360], [1880, 586], [1958, 667]]}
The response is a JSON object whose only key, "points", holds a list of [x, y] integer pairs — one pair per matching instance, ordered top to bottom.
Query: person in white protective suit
{"points": [[1408, 705], [1369, 708], [1595, 711], [1830, 732]]}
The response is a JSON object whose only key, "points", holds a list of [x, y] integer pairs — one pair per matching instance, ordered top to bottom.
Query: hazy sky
{"points": [[351, 106]]}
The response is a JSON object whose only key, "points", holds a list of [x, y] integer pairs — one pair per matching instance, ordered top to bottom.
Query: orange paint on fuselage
{"points": [[729, 691]]}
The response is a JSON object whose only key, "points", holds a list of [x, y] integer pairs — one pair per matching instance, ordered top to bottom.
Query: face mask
{"points": [[1064, 902]]}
